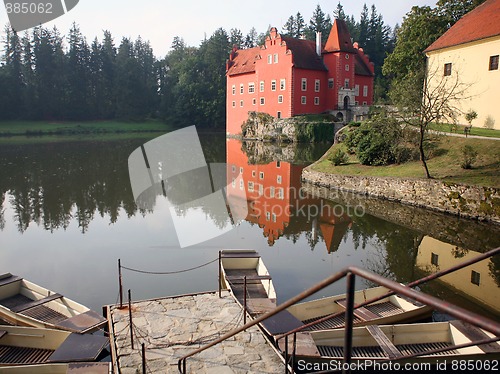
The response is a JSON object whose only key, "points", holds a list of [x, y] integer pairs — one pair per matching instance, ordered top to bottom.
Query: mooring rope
{"points": [[168, 272]]}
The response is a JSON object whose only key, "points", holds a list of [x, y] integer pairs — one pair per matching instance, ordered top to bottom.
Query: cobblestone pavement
{"points": [[173, 327]]}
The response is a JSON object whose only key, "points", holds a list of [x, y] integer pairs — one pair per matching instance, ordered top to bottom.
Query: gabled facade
{"points": [[469, 51], [288, 77]]}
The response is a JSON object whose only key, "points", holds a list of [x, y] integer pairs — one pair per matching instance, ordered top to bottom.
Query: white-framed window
{"points": [[347, 56], [275, 58], [269, 59], [346, 67], [331, 82], [346, 83], [262, 84], [282, 84], [304, 84], [273, 85], [317, 85], [251, 87], [234, 89], [242, 89], [356, 90], [365, 91], [280, 99], [303, 100], [316, 100], [254, 101], [262, 101], [241, 103], [234, 104], [233, 169], [241, 170], [254, 173], [261, 175], [278, 179], [233, 183], [241, 184], [250, 187], [261, 189], [271, 192], [280, 193], [268, 216], [274, 217]]}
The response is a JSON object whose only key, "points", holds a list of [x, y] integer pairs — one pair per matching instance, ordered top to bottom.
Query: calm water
{"points": [[68, 214]]}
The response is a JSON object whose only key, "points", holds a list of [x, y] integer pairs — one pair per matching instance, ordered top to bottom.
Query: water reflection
{"points": [[271, 193]]}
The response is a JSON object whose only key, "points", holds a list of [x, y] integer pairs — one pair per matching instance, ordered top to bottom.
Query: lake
{"points": [[68, 213]]}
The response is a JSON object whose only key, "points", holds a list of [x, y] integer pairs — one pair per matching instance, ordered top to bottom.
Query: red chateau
{"points": [[288, 77]]}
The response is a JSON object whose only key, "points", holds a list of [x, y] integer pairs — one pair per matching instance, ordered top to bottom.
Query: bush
{"points": [[469, 156], [338, 157]]}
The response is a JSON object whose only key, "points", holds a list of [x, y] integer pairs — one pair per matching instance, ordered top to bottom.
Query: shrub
{"points": [[489, 122], [469, 156], [338, 157]]}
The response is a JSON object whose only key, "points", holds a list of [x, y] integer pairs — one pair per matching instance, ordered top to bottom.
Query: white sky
{"points": [[160, 20]]}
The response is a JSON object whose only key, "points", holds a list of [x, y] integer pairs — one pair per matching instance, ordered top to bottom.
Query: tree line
{"points": [[46, 76]]}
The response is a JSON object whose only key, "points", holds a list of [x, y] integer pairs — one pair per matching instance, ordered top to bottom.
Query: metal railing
{"points": [[351, 272]]}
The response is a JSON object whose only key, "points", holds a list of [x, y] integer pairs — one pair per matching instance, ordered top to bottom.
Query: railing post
{"points": [[220, 274], [120, 284], [245, 301], [130, 319], [349, 321], [294, 352], [286, 354], [143, 358]]}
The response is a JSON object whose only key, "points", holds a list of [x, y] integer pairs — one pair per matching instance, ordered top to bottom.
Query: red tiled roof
{"points": [[480, 23], [340, 38], [304, 54], [244, 61], [360, 67]]}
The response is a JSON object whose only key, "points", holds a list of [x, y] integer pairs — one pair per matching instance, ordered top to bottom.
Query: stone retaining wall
{"points": [[474, 202]]}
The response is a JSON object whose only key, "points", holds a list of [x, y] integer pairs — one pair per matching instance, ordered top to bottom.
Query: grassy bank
{"points": [[41, 128], [459, 129], [445, 164]]}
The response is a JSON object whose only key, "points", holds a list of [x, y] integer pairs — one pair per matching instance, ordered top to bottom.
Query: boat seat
{"points": [[239, 254], [8, 278], [250, 278], [31, 304], [362, 313], [2, 333], [475, 334], [384, 342]]}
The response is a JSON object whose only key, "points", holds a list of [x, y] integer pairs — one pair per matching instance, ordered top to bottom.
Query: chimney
{"points": [[318, 43]]}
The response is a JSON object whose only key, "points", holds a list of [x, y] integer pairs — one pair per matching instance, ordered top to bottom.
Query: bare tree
{"points": [[429, 97]]}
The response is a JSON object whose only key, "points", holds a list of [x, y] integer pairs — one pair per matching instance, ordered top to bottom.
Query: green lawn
{"points": [[39, 128], [459, 129], [445, 166]]}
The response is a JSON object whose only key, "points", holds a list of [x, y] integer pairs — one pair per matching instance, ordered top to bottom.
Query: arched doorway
{"points": [[346, 102], [340, 117]]}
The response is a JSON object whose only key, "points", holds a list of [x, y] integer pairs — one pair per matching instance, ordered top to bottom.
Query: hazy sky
{"points": [[160, 20]]}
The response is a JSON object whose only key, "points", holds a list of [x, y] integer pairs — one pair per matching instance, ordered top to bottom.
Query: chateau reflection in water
{"points": [[275, 201]]}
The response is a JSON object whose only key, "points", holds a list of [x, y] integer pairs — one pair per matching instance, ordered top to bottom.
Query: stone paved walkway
{"points": [[173, 327]]}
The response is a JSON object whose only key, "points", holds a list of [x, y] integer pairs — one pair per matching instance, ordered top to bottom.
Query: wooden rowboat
{"points": [[238, 265], [23, 303], [389, 310], [375, 342], [30, 345], [72, 368]]}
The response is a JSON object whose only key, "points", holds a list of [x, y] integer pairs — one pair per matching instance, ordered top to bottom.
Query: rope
{"points": [[168, 272]]}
